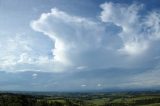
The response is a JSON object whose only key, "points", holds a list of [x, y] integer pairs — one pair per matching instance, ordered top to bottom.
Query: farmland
{"points": [[80, 99]]}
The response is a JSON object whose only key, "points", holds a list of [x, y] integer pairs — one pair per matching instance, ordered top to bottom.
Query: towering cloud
{"points": [[122, 37], [83, 42], [119, 48]]}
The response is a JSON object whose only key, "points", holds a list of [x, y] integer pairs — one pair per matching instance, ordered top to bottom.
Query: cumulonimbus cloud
{"points": [[121, 33], [82, 42]]}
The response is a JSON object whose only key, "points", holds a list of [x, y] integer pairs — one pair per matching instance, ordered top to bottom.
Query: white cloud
{"points": [[118, 13], [125, 16], [152, 25], [137, 30], [68, 32], [72, 35], [79, 40], [81, 43], [134, 48], [12, 51], [18, 54], [25, 58], [81, 67], [34, 75], [83, 85], [99, 85]]}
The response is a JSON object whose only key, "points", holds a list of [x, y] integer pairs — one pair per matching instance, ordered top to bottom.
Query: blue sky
{"points": [[73, 45]]}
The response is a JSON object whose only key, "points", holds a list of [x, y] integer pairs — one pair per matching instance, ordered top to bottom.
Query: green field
{"points": [[81, 99]]}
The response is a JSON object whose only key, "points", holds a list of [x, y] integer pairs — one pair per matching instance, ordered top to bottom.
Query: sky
{"points": [[79, 45]]}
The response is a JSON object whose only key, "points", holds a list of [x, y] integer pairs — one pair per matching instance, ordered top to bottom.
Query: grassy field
{"points": [[81, 99], [154, 104]]}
